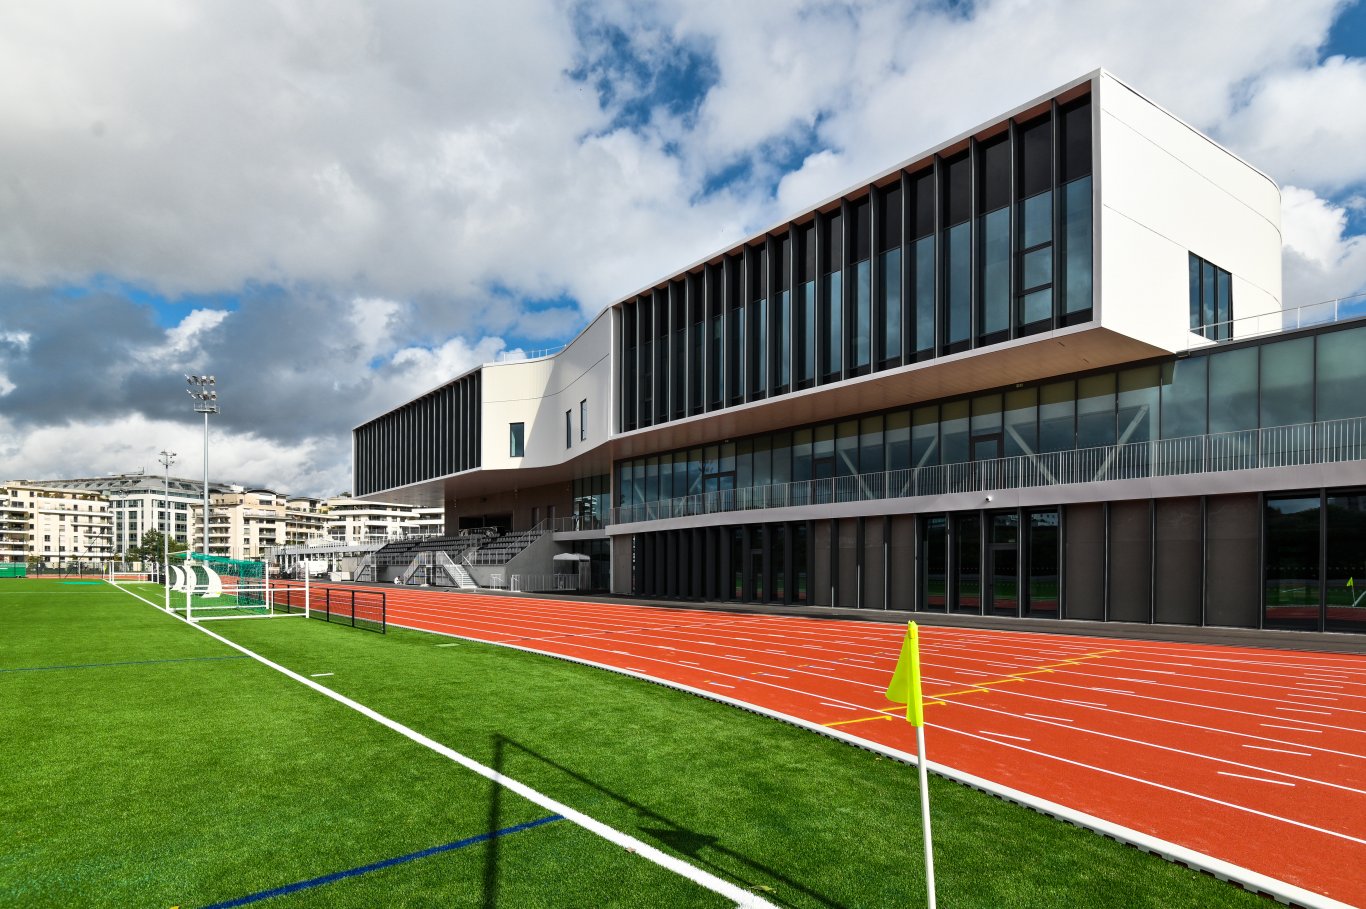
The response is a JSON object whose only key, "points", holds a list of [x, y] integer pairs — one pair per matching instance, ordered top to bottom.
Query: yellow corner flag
{"points": [[1351, 582], [905, 684]]}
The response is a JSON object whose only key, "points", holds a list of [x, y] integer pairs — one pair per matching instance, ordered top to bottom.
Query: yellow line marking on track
{"points": [[985, 687], [862, 719]]}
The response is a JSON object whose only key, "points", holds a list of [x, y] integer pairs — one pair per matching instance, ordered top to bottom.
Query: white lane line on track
{"points": [[692, 629], [719, 684], [1316, 686], [1316, 697], [1082, 703], [840, 706], [1102, 706], [1302, 710], [1056, 719], [1291, 728], [1018, 738], [1172, 750], [1280, 750], [1106, 771], [1243, 776], [698, 876]]}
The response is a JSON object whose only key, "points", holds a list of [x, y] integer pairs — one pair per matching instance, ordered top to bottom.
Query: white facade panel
{"points": [[1165, 192], [538, 394]]}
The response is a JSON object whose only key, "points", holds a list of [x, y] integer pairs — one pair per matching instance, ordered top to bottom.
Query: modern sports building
{"points": [[1040, 370]]}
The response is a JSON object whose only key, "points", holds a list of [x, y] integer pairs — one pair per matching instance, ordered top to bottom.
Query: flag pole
{"points": [[905, 688], [925, 812]]}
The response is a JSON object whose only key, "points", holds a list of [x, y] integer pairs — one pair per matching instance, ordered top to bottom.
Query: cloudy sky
{"points": [[335, 204]]}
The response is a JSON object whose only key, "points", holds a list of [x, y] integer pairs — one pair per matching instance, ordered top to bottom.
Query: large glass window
{"points": [[1034, 188], [994, 202], [957, 210], [921, 230], [1077, 252], [756, 263], [889, 276], [890, 281], [832, 298], [1211, 299], [806, 305], [861, 327], [1340, 374], [1183, 397], [1287, 397], [1233, 408], [1096, 411], [1057, 416], [1021, 422], [953, 428], [925, 436], [516, 440], [967, 532], [935, 557], [1292, 562], [1345, 583], [1041, 594]]}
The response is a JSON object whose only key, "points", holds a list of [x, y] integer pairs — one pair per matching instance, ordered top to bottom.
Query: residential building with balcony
{"points": [[1040, 370], [140, 502], [54, 525]]}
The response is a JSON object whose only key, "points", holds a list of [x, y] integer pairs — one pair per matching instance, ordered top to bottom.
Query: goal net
{"points": [[212, 587]]}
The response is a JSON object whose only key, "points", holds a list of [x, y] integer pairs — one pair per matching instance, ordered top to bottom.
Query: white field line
{"points": [[800, 671], [1251, 880], [741, 897]]}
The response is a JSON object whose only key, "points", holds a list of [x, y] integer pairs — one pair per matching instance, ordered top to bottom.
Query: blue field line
{"points": [[235, 656], [384, 863]]}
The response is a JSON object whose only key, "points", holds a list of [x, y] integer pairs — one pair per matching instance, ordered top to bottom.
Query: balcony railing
{"points": [[1282, 320], [1280, 446]]}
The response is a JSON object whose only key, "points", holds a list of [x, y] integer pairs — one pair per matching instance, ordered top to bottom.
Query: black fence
{"points": [[339, 605]]}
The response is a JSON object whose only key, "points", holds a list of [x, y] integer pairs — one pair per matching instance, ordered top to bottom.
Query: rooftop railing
{"points": [[1326, 312], [517, 355], [1281, 446]]}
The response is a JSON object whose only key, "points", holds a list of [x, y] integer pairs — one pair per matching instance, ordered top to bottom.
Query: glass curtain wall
{"points": [[991, 241], [1235, 394]]}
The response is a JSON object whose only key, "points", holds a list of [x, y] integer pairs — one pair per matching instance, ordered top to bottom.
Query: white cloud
{"points": [[408, 174], [1321, 261], [309, 465]]}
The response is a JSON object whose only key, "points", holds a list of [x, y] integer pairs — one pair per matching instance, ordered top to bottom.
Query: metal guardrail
{"points": [[1282, 320], [1281, 446], [575, 523], [535, 583]]}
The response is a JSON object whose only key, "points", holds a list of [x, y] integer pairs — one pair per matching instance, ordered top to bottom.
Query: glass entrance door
{"points": [[1003, 562]]}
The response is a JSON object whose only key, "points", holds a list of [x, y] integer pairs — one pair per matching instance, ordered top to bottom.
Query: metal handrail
{"points": [[1325, 312], [1324, 442]]}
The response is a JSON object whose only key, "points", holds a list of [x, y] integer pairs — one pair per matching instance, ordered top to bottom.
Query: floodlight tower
{"points": [[204, 391], [167, 459]]}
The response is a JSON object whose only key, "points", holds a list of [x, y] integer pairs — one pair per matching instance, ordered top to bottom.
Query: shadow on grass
{"points": [[672, 836]]}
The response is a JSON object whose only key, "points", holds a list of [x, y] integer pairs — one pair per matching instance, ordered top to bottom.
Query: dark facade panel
{"points": [[431, 436], [1084, 561], [1232, 573]]}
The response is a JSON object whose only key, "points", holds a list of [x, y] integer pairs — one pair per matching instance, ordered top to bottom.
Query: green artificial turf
{"points": [[186, 783]]}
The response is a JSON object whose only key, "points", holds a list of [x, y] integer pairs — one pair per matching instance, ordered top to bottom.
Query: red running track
{"points": [[1256, 757]]}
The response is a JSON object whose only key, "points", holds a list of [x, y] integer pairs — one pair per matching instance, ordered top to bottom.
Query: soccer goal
{"points": [[121, 573], [203, 588]]}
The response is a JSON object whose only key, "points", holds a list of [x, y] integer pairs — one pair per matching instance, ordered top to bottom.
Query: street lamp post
{"points": [[204, 391], [167, 459]]}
